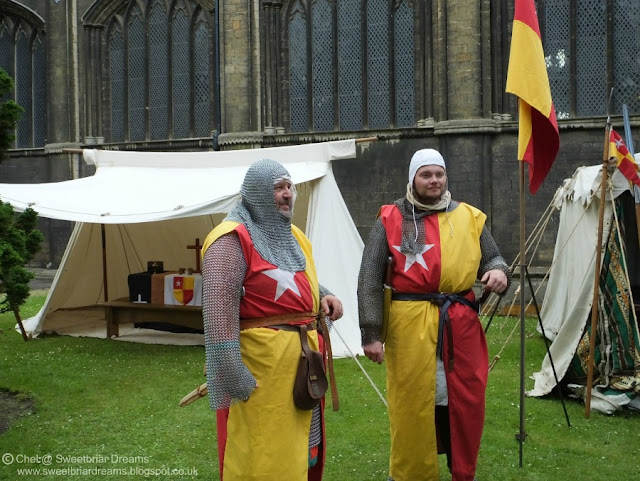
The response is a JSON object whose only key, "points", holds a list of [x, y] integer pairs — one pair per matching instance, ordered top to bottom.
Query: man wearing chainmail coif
{"points": [[426, 251], [258, 266]]}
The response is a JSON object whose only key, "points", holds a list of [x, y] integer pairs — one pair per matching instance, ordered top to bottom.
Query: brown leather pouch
{"points": [[311, 381]]}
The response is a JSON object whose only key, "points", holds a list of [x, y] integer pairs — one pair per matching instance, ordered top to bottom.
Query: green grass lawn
{"points": [[114, 405]]}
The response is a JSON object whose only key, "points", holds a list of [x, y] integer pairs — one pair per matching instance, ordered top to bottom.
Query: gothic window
{"points": [[591, 47], [22, 56], [350, 64], [159, 71]]}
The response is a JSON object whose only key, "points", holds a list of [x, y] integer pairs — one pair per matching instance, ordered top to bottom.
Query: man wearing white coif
{"points": [[257, 266], [434, 345]]}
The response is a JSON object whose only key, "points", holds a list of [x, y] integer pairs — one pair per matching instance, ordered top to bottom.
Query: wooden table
{"points": [[122, 311]]}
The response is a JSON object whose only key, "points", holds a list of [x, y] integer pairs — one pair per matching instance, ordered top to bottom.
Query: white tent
{"points": [[151, 205], [569, 293]]}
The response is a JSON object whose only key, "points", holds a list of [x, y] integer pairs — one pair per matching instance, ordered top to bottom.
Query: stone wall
{"points": [[478, 145]]}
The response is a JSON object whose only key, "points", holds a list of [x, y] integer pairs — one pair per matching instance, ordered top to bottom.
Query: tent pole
{"points": [[629, 141], [104, 263], [596, 281], [16, 313], [522, 434]]}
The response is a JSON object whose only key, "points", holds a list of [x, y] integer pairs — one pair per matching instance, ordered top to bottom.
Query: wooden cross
{"points": [[198, 247]]}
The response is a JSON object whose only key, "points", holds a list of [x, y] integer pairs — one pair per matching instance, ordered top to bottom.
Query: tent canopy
{"points": [[132, 187], [153, 204]]}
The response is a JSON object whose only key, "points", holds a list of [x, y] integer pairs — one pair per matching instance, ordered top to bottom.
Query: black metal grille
{"points": [[604, 33], [6, 45], [557, 52], [22, 56], [166, 56], [591, 56], [626, 57], [378, 63], [350, 64], [322, 66], [180, 69], [373, 70], [116, 71], [158, 71], [136, 72], [298, 72], [404, 76], [201, 83], [23, 87], [39, 94]]}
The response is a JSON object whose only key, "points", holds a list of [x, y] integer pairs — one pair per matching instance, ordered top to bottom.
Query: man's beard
{"points": [[289, 212]]}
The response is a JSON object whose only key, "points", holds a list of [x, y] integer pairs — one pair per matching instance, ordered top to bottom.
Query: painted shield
{"points": [[183, 289]]}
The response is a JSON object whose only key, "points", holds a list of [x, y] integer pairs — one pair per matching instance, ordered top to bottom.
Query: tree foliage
{"points": [[10, 113], [20, 240]]}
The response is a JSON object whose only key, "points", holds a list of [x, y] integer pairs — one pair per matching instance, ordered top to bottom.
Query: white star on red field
{"points": [[411, 259], [285, 281]]}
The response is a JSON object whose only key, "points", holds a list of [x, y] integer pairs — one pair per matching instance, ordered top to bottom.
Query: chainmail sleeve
{"points": [[491, 257], [223, 272], [370, 283], [324, 291]]}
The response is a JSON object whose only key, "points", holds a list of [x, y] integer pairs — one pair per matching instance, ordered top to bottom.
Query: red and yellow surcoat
{"points": [[449, 263], [254, 437]]}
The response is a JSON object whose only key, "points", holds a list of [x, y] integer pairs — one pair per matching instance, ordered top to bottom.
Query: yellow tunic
{"points": [[410, 347], [267, 436]]}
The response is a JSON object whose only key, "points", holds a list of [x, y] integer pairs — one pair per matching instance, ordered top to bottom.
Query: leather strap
{"points": [[303, 340], [315, 370], [332, 376]]}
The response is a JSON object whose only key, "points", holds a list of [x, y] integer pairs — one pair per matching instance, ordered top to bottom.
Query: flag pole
{"points": [[538, 137], [629, 141], [596, 281], [522, 434]]}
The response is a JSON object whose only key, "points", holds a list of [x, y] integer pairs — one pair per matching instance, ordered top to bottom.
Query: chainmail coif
{"points": [[270, 230]]}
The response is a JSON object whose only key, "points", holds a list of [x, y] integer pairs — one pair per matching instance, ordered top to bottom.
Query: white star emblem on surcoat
{"points": [[411, 259], [285, 281]]}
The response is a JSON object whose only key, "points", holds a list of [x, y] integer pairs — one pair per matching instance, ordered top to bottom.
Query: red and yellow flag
{"points": [[538, 136], [625, 161]]}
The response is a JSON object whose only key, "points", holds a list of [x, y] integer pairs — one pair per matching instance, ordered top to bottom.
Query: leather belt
{"points": [[444, 301], [275, 321], [291, 322], [311, 326]]}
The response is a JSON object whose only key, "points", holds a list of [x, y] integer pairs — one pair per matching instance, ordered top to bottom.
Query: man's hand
{"points": [[494, 280], [331, 306], [374, 351]]}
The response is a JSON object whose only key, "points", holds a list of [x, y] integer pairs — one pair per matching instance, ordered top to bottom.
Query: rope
{"points": [[537, 234], [536, 238], [355, 358]]}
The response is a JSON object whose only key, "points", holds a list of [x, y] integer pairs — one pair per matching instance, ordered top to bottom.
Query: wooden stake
{"points": [[596, 281], [16, 313]]}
